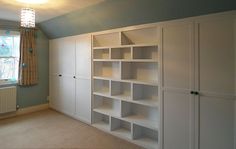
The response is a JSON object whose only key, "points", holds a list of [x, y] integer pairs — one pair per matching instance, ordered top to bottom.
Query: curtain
{"points": [[28, 69]]}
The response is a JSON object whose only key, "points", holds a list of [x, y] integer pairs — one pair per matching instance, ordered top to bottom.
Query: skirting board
{"points": [[25, 111]]}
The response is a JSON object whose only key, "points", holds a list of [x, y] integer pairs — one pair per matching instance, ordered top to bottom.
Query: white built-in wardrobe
{"points": [[167, 85]]}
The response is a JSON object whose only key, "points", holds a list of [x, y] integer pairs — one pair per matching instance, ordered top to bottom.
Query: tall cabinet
{"points": [[70, 76], [198, 83]]}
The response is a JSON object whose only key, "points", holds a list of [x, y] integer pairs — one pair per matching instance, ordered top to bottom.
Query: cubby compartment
{"points": [[139, 36], [105, 40], [145, 52], [101, 53], [121, 53], [107, 69], [140, 72], [102, 86], [121, 90], [145, 94], [107, 105], [140, 114], [101, 121], [121, 128], [145, 136]]}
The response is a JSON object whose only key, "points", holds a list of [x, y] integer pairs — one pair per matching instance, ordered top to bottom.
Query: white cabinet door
{"points": [[62, 56], [67, 56], [83, 56], [216, 56], [62, 70], [83, 78], [216, 82], [177, 83], [66, 94], [83, 100], [178, 120], [216, 123]]}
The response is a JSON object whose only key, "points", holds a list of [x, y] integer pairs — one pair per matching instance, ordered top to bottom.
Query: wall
{"points": [[120, 13], [34, 95]]}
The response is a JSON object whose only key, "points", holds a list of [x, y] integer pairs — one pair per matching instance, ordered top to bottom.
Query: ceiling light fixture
{"points": [[33, 1], [27, 18]]}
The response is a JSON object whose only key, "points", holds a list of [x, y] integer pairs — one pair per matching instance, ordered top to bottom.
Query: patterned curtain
{"points": [[28, 69]]}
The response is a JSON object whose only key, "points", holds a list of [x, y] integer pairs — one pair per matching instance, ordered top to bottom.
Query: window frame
{"points": [[8, 33]]}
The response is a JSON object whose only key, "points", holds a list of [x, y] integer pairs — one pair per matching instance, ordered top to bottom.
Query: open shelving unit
{"points": [[125, 84]]}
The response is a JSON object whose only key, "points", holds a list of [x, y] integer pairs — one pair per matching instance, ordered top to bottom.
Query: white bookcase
{"points": [[125, 84]]}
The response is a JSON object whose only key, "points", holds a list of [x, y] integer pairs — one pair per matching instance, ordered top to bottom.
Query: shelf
{"points": [[139, 36], [106, 40], [126, 46], [145, 52], [102, 53], [121, 53], [126, 60], [107, 69], [144, 73], [125, 74], [135, 81], [144, 82], [101, 86], [121, 89], [145, 94], [144, 102], [147, 102], [106, 105], [107, 110], [139, 114], [101, 121], [143, 121], [121, 128], [146, 137]]}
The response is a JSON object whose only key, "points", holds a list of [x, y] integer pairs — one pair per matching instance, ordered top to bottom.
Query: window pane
{"points": [[6, 46], [9, 56], [9, 68]]}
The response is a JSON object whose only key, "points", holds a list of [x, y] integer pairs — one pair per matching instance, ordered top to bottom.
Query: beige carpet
{"points": [[50, 129]]}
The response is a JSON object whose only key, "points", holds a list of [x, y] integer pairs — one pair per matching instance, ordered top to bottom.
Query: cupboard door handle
{"points": [[194, 93]]}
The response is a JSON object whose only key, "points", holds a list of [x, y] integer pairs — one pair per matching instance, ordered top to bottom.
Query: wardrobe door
{"points": [[177, 47], [62, 73], [83, 78], [216, 82], [66, 97]]}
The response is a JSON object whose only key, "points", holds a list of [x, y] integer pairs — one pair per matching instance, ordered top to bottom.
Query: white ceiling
{"points": [[10, 9]]}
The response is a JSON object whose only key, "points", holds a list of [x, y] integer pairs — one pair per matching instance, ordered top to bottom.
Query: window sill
{"points": [[2, 85]]}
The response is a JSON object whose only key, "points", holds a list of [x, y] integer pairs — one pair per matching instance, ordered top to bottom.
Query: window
{"points": [[9, 56]]}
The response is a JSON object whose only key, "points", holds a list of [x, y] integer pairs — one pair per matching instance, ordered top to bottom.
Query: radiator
{"points": [[7, 99]]}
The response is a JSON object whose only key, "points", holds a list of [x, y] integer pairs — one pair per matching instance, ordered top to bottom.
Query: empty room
{"points": [[117, 74]]}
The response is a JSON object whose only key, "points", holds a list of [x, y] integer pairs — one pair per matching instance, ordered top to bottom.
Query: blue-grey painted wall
{"points": [[119, 13], [34, 95]]}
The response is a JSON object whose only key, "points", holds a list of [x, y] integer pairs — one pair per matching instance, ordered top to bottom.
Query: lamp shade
{"points": [[27, 17]]}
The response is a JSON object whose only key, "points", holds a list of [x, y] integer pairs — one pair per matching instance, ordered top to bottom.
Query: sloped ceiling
{"points": [[10, 9], [119, 13]]}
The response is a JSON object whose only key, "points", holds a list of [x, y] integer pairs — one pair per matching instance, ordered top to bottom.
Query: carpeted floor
{"points": [[50, 129]]}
